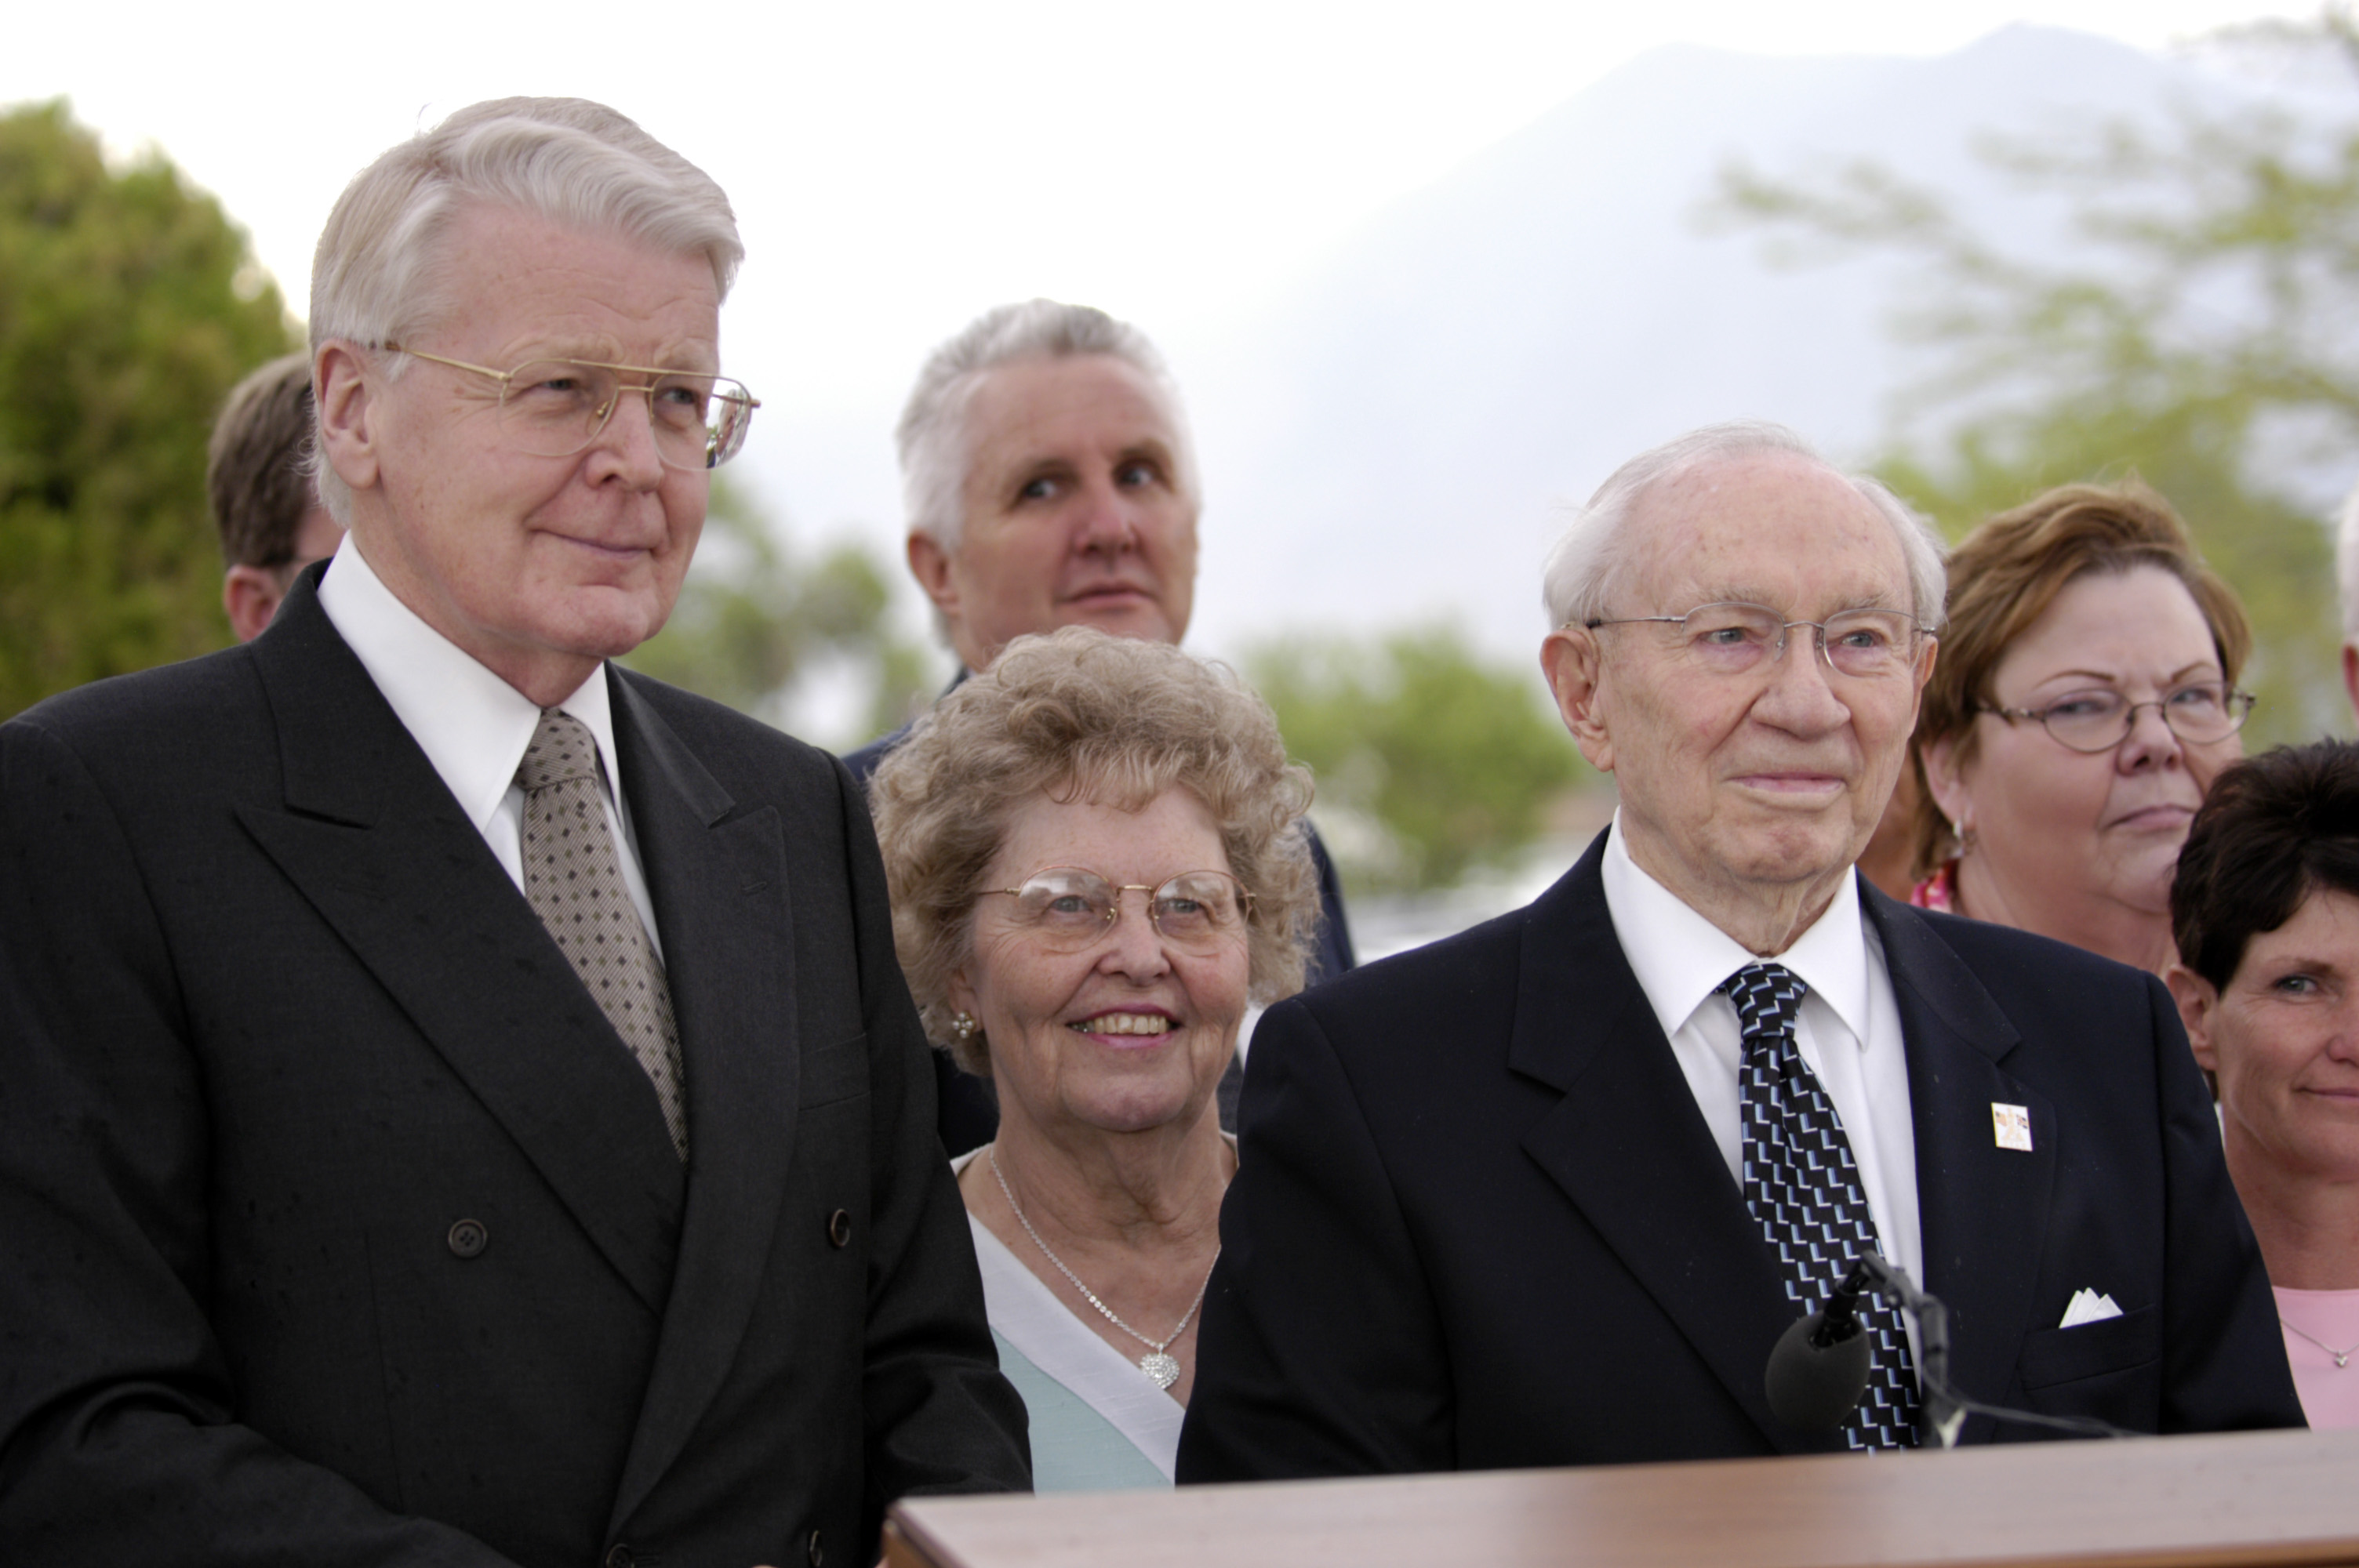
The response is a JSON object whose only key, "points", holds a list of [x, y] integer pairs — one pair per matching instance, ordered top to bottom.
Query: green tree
{"points": [[129, 305], [2199, 330], [757, 619], [1428, 761]]}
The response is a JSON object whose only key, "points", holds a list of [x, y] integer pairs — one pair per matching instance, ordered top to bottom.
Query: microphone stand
{"points": [[1945, 1408]]}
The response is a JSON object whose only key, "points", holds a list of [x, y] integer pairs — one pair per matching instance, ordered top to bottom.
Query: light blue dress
{"points": [[1099, 1424]]}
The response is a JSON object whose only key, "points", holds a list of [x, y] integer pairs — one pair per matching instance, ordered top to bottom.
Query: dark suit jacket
{"points": [[970, 1116], [1479, 1222], [342, 1227]]}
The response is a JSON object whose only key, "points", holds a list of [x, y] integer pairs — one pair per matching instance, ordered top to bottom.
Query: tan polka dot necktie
{"points": [[575, 884]]}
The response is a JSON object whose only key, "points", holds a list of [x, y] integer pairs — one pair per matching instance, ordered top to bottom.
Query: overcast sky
{"points": [[896, 168]]}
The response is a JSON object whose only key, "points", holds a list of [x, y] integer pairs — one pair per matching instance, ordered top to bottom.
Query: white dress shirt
{"points": [[472, 725], [1848, 1031]]}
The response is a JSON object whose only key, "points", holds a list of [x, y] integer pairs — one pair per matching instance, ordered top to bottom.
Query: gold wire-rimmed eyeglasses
{"points": [[556, 407], [1070, 908]]}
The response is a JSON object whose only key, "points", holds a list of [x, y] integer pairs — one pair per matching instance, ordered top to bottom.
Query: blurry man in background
{"points": [[258, 475], [1048, 481]]}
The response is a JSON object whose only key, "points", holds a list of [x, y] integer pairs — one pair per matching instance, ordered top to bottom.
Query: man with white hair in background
{"points": [[1050, 481], [467, 1109], [1548, 1192]]}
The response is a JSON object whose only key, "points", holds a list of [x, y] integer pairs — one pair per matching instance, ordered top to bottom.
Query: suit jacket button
{"points": [[839, 1229], [468, 1238], [814, 1552], [620, 1557]]}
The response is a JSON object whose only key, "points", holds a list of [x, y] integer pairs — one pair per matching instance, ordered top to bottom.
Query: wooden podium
{"points": [[2249, 1498]]}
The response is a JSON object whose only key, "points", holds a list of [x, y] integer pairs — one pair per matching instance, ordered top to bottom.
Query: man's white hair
{"points": [[381, 273], [931, 437], [1591, 561], [2346, 564]]}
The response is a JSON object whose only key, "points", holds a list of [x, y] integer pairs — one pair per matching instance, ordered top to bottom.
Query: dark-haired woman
{"points": [[2266, 909]]}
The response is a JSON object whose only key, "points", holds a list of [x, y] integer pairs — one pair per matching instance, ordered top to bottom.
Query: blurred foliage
{"points": [[129, 305], [2200, 329], [2274, 552], [758, 622], [1428, 761]]}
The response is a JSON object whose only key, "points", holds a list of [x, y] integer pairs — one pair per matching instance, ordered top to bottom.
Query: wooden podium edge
{"points": [[2252, 1500], [904, 1547]]}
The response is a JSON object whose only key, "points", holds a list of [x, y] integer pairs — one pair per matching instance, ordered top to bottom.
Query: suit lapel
{"points": [[374, 840], [718, 879], [1629, 1147], [1983, 1211]]}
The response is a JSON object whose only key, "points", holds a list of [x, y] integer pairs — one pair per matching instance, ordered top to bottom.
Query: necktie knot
{"points": [[561, 750], [1767, 998]]}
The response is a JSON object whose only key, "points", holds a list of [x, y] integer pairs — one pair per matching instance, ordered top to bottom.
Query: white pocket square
{"points": [[2089, 1306]]}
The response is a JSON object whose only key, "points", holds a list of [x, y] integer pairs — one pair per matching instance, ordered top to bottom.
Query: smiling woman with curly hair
{"points": [[1097, 862]]}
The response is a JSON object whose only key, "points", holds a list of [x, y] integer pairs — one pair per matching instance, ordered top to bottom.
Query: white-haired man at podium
{"points": [[1548, 1193]]}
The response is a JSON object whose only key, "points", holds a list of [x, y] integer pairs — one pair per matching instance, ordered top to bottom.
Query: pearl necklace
{"points": [[2341, 1358], [1161, 1366]]}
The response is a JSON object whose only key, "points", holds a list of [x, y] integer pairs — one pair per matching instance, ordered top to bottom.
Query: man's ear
{"points": [[348, 427], [931, 565], [252, 596], [1928, 650], [1568, 658], [2350, 673], [1944, 777], [2199, 1004]]}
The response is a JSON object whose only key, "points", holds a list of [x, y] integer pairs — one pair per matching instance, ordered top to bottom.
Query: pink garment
{"points": [[1939, 890], [2330, 1394]]}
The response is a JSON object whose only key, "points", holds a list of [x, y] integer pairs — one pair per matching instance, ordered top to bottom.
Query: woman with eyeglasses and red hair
{"points": [[2084, 699], [1096, 855]]}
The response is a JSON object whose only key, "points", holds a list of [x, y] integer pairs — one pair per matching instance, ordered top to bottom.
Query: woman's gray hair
{"points": [[379, 274], [931, 436], [1590, 560], [1081, 715]]}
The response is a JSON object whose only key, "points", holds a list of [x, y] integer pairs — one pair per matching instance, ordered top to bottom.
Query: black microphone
{"points": [[1818, 1368]]}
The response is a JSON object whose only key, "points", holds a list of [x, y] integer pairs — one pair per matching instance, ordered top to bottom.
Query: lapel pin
{"points": [[2011, 1126]]}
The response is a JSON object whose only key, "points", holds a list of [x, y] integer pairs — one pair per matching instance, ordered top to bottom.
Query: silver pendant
{"points": [[1162, 1369]]}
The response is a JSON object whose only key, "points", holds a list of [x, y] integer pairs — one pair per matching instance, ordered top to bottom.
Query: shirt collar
{"points": [[472, 725], [1681, 959]]}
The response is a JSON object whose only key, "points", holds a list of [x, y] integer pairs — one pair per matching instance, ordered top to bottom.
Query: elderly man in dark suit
{"points": [[1050, 481], [470, 1112], [1548, 1192]]}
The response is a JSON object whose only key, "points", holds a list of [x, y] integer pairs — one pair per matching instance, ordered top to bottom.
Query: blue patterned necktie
{"points": [[1803, 1191]]}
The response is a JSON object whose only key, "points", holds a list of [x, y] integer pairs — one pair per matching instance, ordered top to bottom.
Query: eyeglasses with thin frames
{"points": [[556, 407], [1733, 638], [2201, 713], [1068, 908]]}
